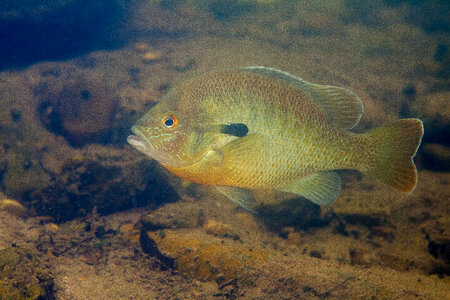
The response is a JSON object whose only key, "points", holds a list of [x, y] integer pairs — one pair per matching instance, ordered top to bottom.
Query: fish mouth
{"points": [[139, 141], [142, 144]]}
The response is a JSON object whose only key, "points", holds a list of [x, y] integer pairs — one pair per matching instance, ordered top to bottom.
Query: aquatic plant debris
{"points": [[261, 128], [23, 276]]}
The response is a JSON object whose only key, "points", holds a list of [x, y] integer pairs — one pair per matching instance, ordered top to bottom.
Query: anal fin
{"points": [[321, 188], [240, 196]]}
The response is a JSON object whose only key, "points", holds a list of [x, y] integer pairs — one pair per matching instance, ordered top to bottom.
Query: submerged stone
{"points": [[81, 110], [110, 188], [12, 207], [208, 258], [22, 276]]}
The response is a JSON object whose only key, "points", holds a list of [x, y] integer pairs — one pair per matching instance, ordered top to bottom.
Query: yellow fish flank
{"points": [[261, 128]]}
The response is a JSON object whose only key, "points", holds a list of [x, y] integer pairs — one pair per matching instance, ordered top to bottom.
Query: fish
{"points": [[259, 128]]}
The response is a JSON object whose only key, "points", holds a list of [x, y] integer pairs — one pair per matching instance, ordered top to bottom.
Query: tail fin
{"points": [[395, 146]]}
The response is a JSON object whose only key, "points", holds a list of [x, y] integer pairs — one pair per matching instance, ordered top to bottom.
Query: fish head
{"points": [[184, 128], [175, 132], [161, 134]]}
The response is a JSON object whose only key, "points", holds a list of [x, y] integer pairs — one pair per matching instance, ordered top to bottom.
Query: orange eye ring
{"points": [[170, 121]]}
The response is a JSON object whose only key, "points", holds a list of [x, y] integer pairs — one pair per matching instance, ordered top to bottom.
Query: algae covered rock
{"points": [[78, 106], [22, 170], [85, 184], [12, 207], [181, 214], [216, 228], [209, 258], [22, 277]]}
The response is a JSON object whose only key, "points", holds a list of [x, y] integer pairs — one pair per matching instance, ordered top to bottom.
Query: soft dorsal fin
{"points": [[342, 107]]}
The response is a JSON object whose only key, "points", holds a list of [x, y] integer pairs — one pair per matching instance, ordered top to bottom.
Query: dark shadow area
{"points": [[226, 10], [430, 15], [31, 32], [437, 132], [434, 157], [84, 185], [298, 213]]}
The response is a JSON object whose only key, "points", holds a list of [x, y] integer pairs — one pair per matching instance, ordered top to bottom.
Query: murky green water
{"points": [[76, 75]]}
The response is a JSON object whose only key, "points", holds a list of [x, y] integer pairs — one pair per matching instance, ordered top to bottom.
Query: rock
{"points": [[353, 13], [319, 19], [320, 23], [141, 47], [441, 54], [151, 56], [81, 108], [22, 170], [110, 188], [12, 207], [177, 215], [248, 221], [217, 228], [130, 232], [293, 237], [438, 244], [150, 247], [361, 257], [206, 258], [22, 276]]}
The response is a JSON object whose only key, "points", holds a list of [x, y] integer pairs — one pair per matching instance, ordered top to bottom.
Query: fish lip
{"points": [[134, 140], [139, 140]]}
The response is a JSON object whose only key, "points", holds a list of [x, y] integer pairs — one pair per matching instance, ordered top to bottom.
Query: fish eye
{"points": [[170, 121]]}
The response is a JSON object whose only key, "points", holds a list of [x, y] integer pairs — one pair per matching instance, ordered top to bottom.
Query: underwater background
{"points": [[83, 215]]}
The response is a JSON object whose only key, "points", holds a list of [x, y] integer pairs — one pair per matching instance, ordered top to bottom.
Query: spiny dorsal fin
{"points": [[342, 107], [321, 188]]}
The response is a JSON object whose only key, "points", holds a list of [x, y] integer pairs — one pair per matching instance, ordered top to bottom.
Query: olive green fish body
{"points": [[260, 128], [289, 136]]}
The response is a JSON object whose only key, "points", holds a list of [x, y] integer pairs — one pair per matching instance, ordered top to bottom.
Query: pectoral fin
{"points": [[243, 149], [321, 188], [242, 197]]}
